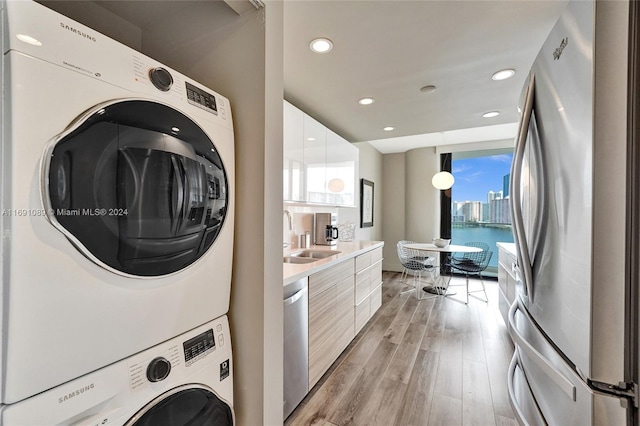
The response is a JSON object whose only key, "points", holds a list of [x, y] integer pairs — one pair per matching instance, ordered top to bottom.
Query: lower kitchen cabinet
{"points": [[506, 278], [368, 293], [342, 299], [345, 311], [331, 313]]}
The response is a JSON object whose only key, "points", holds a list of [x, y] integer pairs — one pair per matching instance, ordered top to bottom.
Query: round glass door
{"points": [[137, 187], [185, 406]]}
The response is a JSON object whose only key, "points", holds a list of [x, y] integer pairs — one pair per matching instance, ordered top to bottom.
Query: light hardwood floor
{"points": [[427, 362]]}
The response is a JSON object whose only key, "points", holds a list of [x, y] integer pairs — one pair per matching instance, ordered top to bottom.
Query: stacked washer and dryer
{"points": [[117, 233]]}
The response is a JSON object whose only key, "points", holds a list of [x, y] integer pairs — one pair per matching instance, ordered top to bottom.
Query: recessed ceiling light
{"points": [[29, 39], [321, 45], [503, 74], [428, 89], [366, 101], [491, 114], [388, 128], [175, 129]]}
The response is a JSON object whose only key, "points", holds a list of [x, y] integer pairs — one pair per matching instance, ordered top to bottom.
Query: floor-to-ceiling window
{"points": [[480, 199]]}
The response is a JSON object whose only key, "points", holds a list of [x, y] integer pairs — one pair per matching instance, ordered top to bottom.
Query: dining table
{"points": [[450, 248]]}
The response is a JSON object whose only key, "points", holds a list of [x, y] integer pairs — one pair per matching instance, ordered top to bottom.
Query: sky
{"points": [[475, 177]]}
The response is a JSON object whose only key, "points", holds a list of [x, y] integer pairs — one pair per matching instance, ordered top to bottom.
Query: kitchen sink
{"points": [[314, 254], [294, 259]]}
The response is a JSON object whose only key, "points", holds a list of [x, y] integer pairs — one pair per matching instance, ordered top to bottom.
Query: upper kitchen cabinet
{"points": [[293, 147], [315, 159], [320, 167], [341, 171]]}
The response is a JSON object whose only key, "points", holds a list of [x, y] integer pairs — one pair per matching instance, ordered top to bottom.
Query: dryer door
{"points": [[137, 187], [192, 405]]}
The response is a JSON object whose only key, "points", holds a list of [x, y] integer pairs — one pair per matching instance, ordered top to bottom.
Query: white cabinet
{"points": [[293, 148], [315, 159], [320, 167], [341, 171], [506, 278], [368, 286]]}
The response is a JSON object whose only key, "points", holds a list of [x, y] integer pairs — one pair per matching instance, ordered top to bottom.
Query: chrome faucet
{"points": [[286, 213]]}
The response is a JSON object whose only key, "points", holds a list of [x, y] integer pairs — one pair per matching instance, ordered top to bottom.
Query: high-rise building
{"points": [[505, 185], [493, 196], [470, 211], [500, 211]]}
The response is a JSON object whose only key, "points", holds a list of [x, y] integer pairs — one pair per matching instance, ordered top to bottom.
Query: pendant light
{"points": [[443, 180]]}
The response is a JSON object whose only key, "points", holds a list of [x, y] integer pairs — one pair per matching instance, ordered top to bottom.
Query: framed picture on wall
{"points": [[366, 203]]}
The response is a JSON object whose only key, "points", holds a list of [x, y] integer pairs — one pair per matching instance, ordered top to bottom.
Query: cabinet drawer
{"points": [[376, 255], [367, 259], [506, 260], [363, 261], [376, 274], [502, 277], [321, 281], [363, 285], [511, 288], [376, 299], [503, 306], [362, 314]]}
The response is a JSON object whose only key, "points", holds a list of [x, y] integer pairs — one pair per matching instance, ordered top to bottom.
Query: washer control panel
{"points": [[198, 347], [152, 366], [158, 369]]}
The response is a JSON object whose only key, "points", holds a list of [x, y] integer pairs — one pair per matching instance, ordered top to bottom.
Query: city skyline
{"points": [[476, 177]]}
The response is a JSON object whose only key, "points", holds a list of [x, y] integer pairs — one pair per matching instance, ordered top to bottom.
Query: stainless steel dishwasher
{"points": [[296, 344]]}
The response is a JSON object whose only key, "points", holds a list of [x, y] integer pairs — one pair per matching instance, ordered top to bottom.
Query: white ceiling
{"points": [[388, 50]]}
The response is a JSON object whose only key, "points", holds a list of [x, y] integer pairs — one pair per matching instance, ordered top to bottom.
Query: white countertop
{"points": [[508, 247], [292, 272]]}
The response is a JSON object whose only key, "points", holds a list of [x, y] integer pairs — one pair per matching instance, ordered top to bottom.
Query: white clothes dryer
{"points": [[117, 183], [187, 380]]}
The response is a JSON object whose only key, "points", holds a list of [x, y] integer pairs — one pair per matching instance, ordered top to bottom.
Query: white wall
{"points": [[370, 168], [422, 204], [393, 209]]}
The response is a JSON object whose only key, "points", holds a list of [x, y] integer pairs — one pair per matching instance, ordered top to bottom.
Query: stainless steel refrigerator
{"points": [[574, 322]]}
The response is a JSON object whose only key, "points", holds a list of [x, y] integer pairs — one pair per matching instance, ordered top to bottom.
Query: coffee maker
{"points": [[325, 229]]}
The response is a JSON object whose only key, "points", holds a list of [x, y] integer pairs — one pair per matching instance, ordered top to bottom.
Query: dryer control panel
{"points": [[198, 347]]}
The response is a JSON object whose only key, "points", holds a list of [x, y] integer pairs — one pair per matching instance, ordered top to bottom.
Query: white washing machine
{"points": [[117, 183], [187, 380]]}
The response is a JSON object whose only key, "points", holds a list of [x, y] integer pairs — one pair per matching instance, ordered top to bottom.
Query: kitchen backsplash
{"points": [[302, 221]]}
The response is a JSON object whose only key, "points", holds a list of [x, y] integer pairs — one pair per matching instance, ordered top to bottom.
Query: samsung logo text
{"points": [[78, 32], [75, 393]]}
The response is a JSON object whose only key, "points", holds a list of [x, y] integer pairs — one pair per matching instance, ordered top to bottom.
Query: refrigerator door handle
{"points": [[520, 237], [543, 363], [515, 404]]}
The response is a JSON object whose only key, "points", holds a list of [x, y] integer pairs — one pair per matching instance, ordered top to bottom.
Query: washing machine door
{"points": [[137, 186], [187, 405]]}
